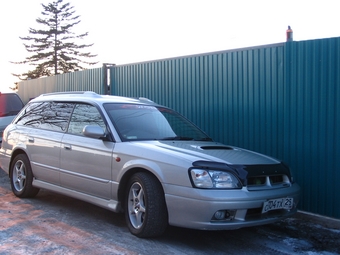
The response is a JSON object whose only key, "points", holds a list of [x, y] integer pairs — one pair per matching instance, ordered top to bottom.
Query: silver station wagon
{"points": [[134, 156]]}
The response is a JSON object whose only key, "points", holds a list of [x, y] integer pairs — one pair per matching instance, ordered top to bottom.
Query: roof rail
{"points": [[90, 93], [145, 99]]}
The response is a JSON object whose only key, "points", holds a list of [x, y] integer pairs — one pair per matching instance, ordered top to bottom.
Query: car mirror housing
{"points": [[93, 132]]}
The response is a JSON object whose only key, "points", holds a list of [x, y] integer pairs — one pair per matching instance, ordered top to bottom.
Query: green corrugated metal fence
{"points": [[87, 80], [281, 100], [312, 122]]}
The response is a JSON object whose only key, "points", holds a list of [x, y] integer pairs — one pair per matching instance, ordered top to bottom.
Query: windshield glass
{"points": [[10, 104], [144, 122]]}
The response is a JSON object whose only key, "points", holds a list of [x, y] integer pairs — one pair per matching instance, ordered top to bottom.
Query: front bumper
{"points": [[195, 208]]}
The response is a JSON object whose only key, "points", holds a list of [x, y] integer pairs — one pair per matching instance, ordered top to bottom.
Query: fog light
{"points": [[220, 215], [224, 215]]}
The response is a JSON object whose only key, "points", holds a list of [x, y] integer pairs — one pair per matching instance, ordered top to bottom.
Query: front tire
{"points": [[21, 177], [145, 208]]}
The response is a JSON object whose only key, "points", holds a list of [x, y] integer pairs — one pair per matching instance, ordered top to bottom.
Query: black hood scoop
{"points": [[216, 147]]}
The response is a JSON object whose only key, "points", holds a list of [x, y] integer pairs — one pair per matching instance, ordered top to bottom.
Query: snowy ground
{"points": [[55, 224]]}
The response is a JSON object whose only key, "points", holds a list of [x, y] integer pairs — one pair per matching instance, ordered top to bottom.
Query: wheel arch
{"points": [[14, 154], [126, 177]]}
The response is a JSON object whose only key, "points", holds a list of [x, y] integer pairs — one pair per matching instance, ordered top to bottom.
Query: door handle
{"points": [[30, 139], [67, 146]]}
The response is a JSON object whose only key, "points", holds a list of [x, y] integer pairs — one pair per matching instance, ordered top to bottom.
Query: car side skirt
{"points": [[111, 205]]}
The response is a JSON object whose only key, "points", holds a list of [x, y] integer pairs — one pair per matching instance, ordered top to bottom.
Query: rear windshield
{"points": [[10, 104]]}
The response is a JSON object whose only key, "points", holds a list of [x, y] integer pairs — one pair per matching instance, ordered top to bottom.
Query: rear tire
{"points": [[21, 177], [145, 208]]}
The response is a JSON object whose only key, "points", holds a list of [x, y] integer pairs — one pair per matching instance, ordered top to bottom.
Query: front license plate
{"points": [[280, 203]]}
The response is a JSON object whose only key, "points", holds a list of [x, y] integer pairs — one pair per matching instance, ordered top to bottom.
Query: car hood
{"points": [[215, 152], [212, 155]]}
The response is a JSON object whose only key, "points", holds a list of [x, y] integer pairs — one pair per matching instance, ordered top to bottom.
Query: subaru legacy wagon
{"points": [[146, 160]]}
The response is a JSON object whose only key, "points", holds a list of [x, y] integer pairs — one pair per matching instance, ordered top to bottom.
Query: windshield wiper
{"points": [[178, 138], [204, 139]]}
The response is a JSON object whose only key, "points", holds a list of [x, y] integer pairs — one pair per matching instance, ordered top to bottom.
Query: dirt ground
{"points": [[55, 224]]}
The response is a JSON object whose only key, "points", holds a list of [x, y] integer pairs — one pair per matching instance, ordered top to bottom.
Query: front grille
{"points": [[276, 179], [258, 180], [267, 182], [256, 213]]}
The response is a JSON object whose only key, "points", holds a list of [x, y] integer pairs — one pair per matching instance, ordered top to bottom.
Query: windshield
{"points": [[10, 104], [144, 122]]}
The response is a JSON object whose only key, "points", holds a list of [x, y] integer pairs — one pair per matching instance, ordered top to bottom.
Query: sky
{"points": [[131, 31]]}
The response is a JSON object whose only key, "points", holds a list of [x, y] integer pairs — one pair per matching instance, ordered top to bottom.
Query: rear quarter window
{"points": [[46, 115]]}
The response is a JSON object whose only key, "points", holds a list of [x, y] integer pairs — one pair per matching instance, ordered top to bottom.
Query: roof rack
{"points": [[90, 93], [145, 99]]}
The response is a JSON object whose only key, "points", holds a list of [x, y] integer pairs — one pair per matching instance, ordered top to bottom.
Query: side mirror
{"points": [[93, 132]]}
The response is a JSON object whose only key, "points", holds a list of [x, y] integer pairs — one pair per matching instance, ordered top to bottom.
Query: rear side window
{"points": [[10, 104], [46, 115]]}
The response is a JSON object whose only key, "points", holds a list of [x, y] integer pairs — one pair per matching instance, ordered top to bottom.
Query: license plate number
{"points": [[275, 204]]}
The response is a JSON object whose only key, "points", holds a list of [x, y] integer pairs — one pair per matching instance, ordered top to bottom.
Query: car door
{"points": [[45, 124], [86, 162]]}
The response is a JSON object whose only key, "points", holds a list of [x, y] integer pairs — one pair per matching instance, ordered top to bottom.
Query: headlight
{"points": [[210, 179]]}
